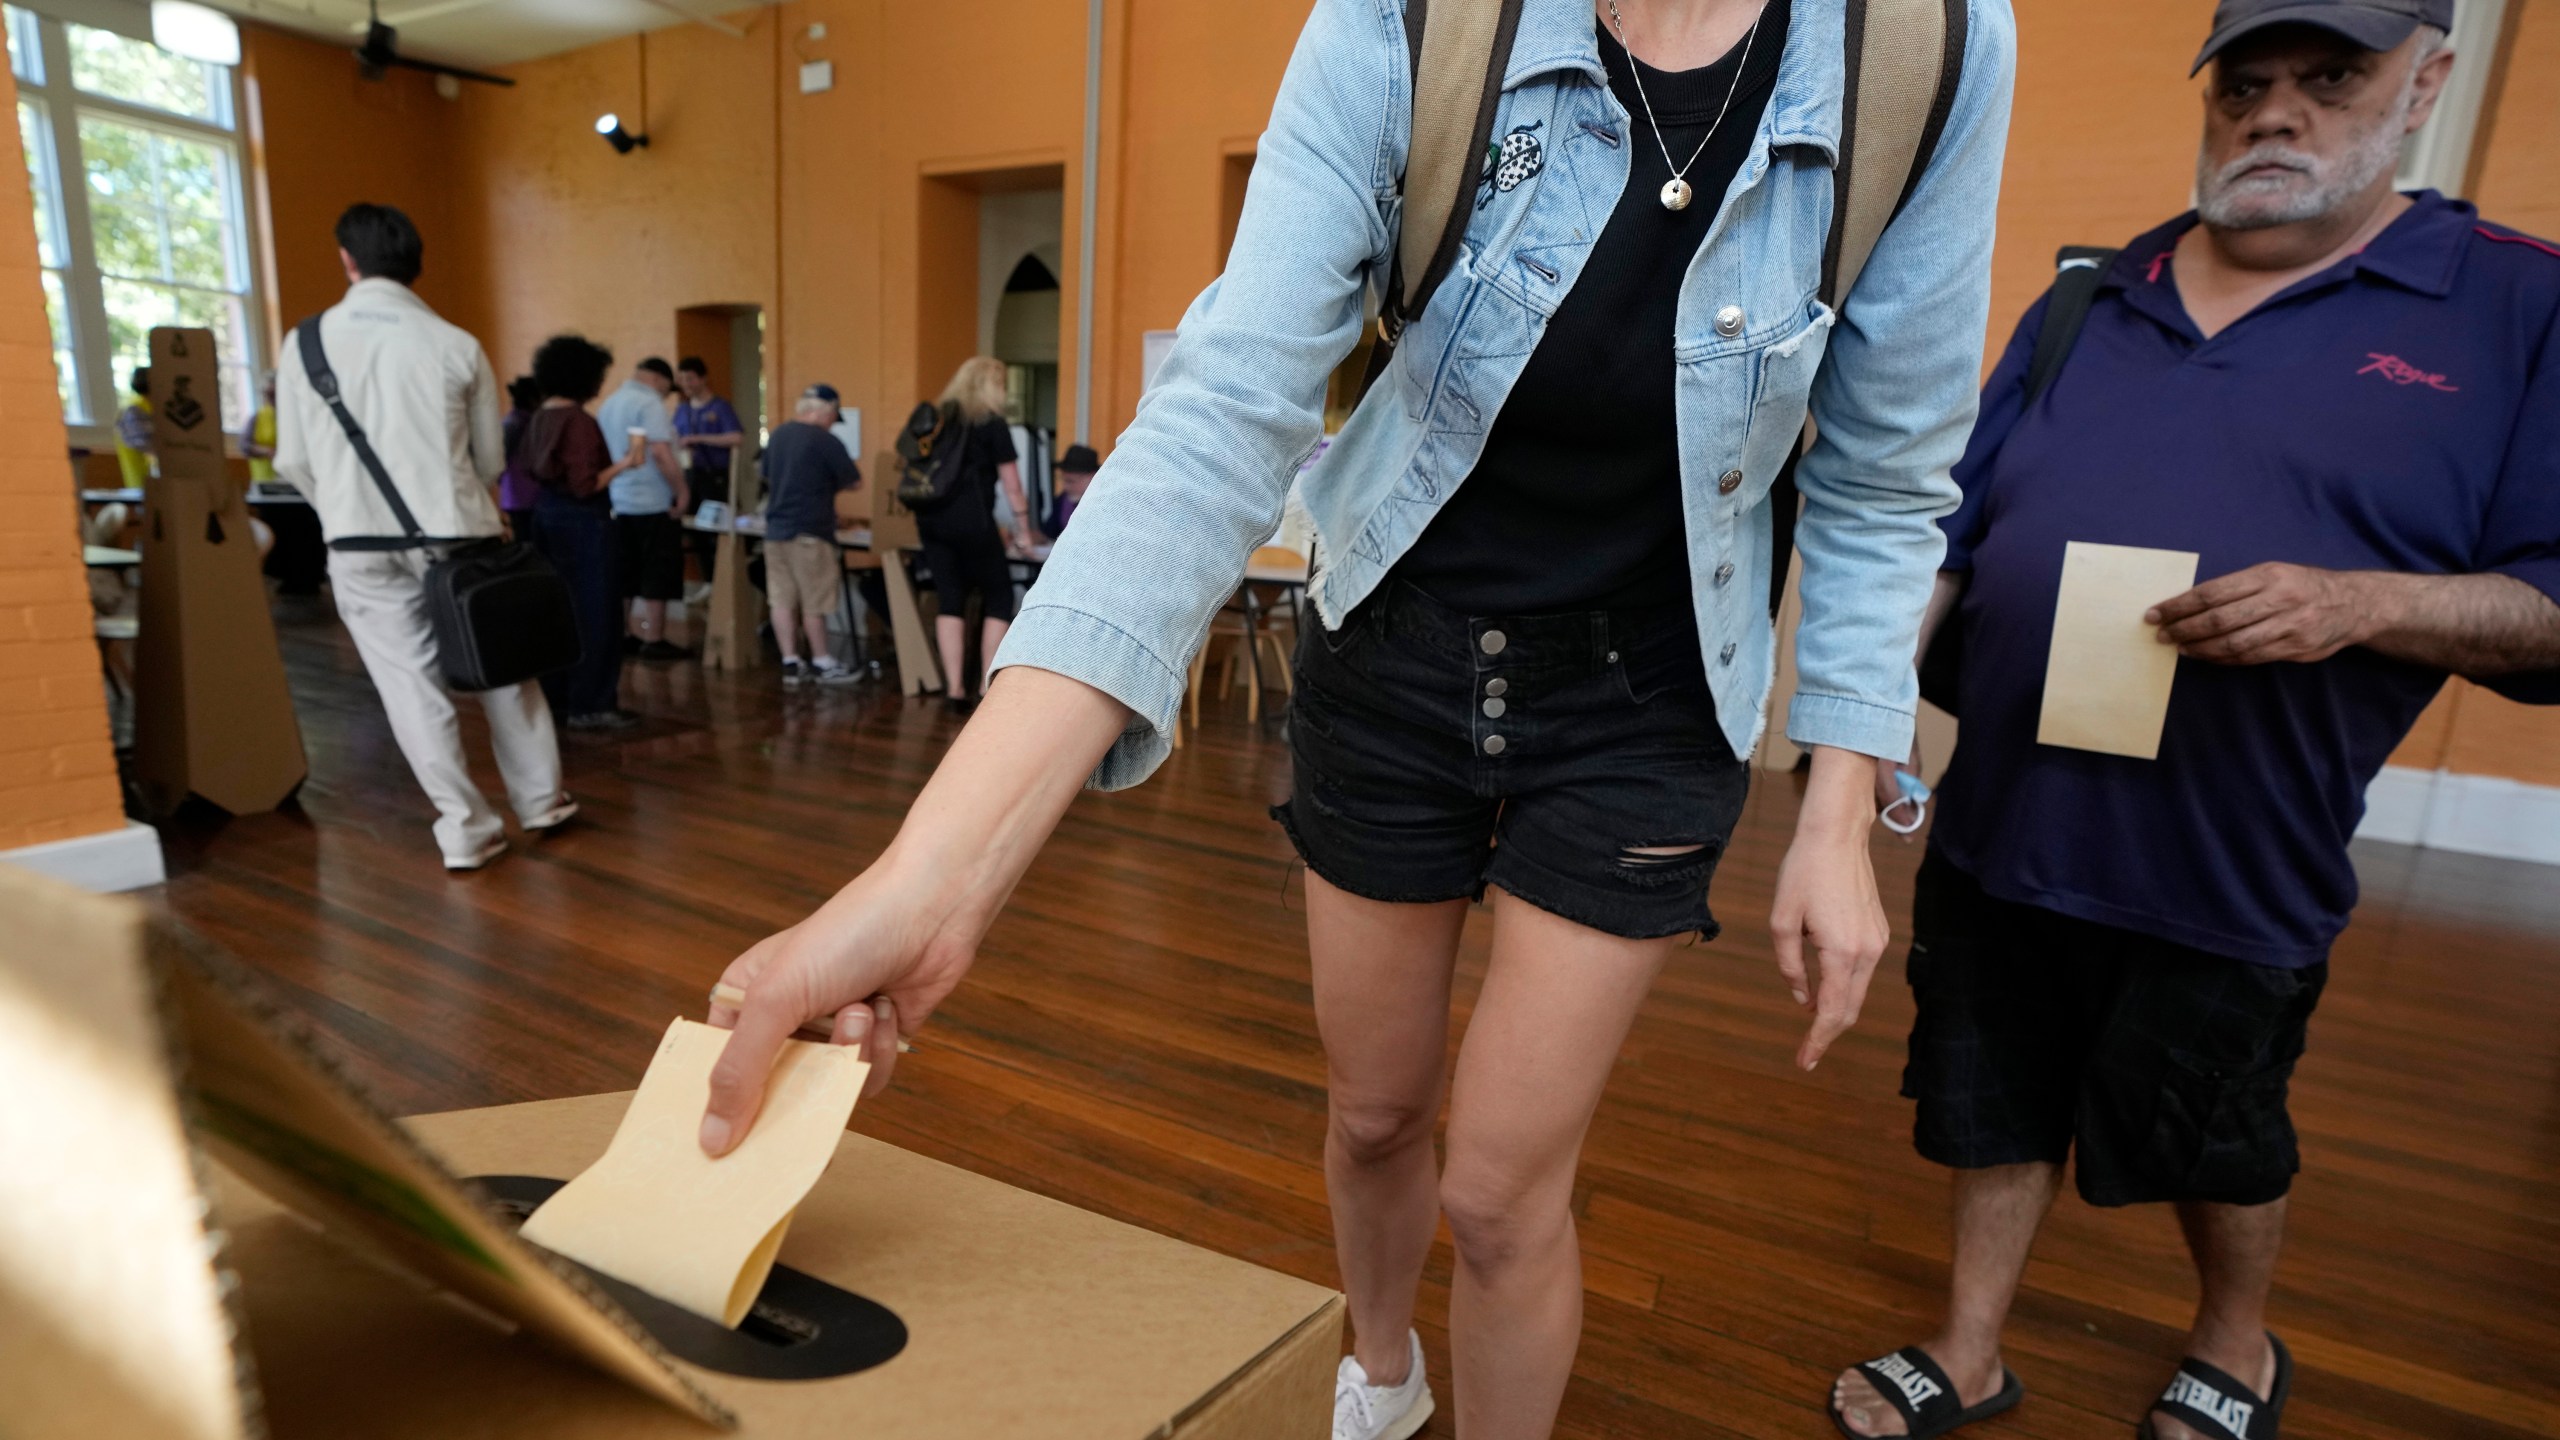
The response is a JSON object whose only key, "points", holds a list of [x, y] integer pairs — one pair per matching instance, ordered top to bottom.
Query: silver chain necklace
{"points": [[1675, 191]]}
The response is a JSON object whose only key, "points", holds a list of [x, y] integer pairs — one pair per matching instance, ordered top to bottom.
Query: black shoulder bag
{"points": [[2076, 273], [930, 450], [500, 613]]}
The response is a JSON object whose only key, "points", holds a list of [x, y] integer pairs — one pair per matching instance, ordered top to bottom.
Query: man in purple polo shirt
{"points": [[2347, 402], [709, 429]]}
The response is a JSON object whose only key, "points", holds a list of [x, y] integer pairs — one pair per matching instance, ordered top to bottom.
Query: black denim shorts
{"points": [[1437, 753], [2165, 1068]]}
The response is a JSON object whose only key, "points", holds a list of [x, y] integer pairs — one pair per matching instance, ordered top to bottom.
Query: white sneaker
{"points": [[1362, 1411]]}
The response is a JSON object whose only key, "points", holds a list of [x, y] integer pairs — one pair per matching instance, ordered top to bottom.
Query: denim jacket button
{"points": [[1729, 321], [1728, 482], [1724, 572], [1725, 657]]}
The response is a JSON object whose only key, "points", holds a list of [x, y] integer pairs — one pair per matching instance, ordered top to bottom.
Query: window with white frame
{"points": [[133, 158]]}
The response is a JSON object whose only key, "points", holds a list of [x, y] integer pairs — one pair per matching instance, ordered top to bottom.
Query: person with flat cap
{"points": [[2346, 401]]}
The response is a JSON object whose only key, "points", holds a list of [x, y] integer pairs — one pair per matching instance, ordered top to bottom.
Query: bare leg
{"points": [[649, 619], [817, 627], [786, 632], [950, 634], [990, 635], [1382, 1006], [1545, 1036], [1997, 1211], [2235, 1249]]}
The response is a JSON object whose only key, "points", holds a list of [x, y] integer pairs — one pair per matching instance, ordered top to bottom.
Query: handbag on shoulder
{"points": [[501, 615]]}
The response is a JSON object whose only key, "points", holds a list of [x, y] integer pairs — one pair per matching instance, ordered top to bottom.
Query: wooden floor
{"points": [[1136, 1040]]}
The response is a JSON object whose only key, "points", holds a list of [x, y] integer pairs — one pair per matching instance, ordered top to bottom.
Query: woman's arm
{"points": [[1891, 409], [1009, 475], [886, 950]]}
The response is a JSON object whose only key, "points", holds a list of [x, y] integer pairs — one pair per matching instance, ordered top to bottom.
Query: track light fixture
{"points": [[609, 125]]}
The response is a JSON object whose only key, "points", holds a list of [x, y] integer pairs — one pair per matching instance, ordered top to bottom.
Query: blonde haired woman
{"points": [[963, 546]]}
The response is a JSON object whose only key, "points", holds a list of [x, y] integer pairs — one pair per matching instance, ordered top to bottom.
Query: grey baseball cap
{"points": [[2373, 24]]}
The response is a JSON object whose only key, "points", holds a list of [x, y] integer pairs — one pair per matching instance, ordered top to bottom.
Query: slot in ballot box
{"points": [[207, 1233]]}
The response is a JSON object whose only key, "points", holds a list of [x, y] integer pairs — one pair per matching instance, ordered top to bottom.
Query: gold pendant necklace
{"points": [[1676, 193]]}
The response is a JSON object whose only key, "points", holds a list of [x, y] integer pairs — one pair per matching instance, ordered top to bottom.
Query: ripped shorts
{"points": [[1573, 760]]}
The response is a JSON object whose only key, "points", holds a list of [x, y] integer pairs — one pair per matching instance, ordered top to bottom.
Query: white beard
{"points": [[2308, 187]]}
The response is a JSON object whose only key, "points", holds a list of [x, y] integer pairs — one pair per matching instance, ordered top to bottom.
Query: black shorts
{"points": [[652, 556], [972, 561], [1436, 753], [2039, 1034]]}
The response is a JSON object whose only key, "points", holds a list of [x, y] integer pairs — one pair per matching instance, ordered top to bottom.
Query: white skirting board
{"points": [[2472, 814], [125, 859]]}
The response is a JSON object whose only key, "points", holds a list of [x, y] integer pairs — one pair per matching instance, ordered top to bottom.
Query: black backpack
{"points": [[2076, 273], [930, 449], [500, 613]]}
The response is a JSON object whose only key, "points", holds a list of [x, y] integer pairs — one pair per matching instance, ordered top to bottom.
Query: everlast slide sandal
{"points": [[1912, 1383], [2218, 1407]]}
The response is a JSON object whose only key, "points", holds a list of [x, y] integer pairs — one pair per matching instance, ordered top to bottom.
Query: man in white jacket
{"points": [[427, 400]]}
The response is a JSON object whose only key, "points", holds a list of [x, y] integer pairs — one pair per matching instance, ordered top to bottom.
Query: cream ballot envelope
{"points": [[2107, 677], [659, 1213]]}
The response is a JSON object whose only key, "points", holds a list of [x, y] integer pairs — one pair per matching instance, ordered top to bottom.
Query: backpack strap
{"points": [[1903, 62], [1458, 66], [2077, 271], [324, 382]]}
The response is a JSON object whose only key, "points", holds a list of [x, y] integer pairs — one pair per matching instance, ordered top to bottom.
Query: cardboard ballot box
{"points": [[208, 1233], [1024, 1317]]}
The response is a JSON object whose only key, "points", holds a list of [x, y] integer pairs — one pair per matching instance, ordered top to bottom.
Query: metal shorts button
{"points": [[1729, 321], [1728, 482], [1492, 642], [1725, 656], [1497, 686], [1493, 709], [1494, 744]]}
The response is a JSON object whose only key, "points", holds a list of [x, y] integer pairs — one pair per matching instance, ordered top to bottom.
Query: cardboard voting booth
{"points": [[893, 534], [212, 714], [208, 1233]]}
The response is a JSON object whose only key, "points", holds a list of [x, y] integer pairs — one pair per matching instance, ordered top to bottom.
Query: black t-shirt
{"points": [[804, 466], [1575, 502], [972, 510]]}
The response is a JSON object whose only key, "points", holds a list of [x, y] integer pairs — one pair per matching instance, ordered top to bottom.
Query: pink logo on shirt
{"points": [[2401, 372]]}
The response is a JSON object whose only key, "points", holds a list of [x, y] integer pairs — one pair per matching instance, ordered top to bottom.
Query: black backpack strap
{"points": [[2077, 272], [324, 382]]}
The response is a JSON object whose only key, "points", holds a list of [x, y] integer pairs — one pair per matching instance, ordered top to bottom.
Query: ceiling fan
{"points": [[381, 51]]}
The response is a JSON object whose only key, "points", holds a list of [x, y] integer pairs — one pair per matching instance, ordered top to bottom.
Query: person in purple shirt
{"points": [[2346, 401], [708, 429], [516, 489]]}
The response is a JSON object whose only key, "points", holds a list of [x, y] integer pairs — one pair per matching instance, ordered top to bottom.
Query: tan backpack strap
{"points": [[1904, 60], [1457, 85]]}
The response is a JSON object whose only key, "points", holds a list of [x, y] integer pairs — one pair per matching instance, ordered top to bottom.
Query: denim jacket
{"points": [[1198, 479]]}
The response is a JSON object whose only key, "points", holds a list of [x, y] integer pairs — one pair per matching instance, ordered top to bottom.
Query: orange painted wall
{"points": [[327, 138], [838, 211], [57, 767]]}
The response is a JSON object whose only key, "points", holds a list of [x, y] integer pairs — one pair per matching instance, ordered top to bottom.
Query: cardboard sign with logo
{"points": [[212, 713], [208, 1233]]}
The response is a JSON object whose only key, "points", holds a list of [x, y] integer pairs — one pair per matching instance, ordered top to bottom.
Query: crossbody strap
{"points": [[2077, 271], [324, 382]]}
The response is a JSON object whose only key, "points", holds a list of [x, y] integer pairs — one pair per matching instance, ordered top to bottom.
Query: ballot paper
{"points": [[2107, 678], [657, 1212]]}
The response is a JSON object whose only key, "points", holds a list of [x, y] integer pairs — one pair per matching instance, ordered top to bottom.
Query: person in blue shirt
{"points": [[2346, 401], [708, 427], [649, 502]]}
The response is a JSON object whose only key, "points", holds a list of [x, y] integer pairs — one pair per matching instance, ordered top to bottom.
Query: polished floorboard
{"points": [[1136, 1040]]}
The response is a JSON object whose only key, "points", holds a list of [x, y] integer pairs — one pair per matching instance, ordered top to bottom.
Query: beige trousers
{"points": [[382, 598]]}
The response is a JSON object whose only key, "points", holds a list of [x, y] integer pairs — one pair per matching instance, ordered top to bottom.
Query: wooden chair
{"points": [[1262, 606]]}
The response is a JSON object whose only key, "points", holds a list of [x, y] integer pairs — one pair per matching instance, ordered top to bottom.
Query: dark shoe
{"points": [[630, 644], [664, 650], [830, 672], [794, 673], [960, 704], [604, 720], [1913, 1384], [2215, 1404]]}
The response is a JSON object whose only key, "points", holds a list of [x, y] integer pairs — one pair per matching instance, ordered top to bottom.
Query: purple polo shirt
{"points": [[2399, 411], [712, 417]]}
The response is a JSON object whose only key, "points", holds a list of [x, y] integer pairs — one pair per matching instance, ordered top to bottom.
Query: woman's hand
{"points": [[1827, 896], [878, 957]]}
